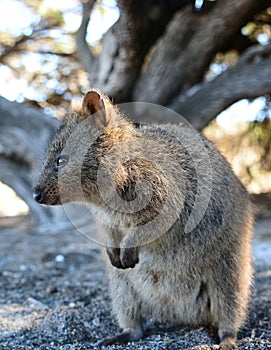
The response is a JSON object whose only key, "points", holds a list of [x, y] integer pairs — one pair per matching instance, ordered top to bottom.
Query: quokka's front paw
{"points": [[114, 256], [129, 257], [123, 258]]}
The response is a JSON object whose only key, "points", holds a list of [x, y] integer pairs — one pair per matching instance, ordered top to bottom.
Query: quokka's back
{"points": [[175, 221]]}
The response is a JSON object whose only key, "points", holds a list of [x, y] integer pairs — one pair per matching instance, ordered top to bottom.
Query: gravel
{"points": [[54, 295]]}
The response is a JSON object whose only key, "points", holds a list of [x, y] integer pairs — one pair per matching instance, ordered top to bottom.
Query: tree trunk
{"points": [[125, 45], [159, 52], [24, 135]]}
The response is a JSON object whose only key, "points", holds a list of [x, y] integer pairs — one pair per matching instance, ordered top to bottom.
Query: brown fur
{"points": [[202, 277]]}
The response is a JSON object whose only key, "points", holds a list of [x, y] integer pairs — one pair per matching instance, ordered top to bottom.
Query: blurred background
{"points": [[207, 60]]}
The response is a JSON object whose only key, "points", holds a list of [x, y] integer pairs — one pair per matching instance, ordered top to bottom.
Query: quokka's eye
{"points": [[61, 161]]}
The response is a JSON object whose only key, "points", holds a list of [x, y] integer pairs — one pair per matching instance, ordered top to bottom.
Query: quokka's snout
{"points": [[41, 197]]}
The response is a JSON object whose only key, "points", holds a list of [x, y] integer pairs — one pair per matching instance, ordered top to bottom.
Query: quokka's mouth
{"points": [[53, 201]]}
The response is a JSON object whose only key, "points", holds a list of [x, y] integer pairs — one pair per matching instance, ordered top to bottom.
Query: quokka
{"points": [[143, 183]]}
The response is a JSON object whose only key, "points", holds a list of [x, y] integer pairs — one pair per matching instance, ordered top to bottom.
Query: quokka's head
{"points": [[70, 167]]}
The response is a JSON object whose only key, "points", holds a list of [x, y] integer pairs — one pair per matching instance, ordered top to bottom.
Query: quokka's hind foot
{"points": [[122, 338], [227, 341]]}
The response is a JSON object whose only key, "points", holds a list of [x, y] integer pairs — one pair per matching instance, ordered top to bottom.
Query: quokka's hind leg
{"points": [[233, 287], [126, 307], [228, 309], [231, 309]]}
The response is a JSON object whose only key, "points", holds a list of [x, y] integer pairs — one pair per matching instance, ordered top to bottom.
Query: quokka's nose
{"points": [[38, 195]]}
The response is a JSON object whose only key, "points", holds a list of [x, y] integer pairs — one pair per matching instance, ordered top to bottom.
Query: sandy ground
{"points": [[53, 294]]}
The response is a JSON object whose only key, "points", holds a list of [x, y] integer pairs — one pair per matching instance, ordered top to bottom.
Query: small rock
{"points": [[60, 258], [51, 289], [35, 304], [96, 322]]}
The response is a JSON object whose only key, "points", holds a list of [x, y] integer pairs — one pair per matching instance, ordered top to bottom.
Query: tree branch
{"points": [[201, 36], [83, 52], [255, 52], [247, 79], [24, 134]]}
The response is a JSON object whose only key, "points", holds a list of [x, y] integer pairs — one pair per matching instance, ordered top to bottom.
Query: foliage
{"points": [[258, 134], [247, 146]]}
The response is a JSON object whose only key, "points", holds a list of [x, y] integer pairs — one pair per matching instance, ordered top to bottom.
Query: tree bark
{"points": [[125, 45], [187, 47], [83, 51]]}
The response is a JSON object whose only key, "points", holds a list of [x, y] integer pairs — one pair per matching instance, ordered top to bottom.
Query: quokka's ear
{"points": [[93, 106]]}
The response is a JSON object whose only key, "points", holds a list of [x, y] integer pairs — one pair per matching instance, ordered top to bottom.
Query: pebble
{"points": [[60, 258], [51, 289], [36, 304]]}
